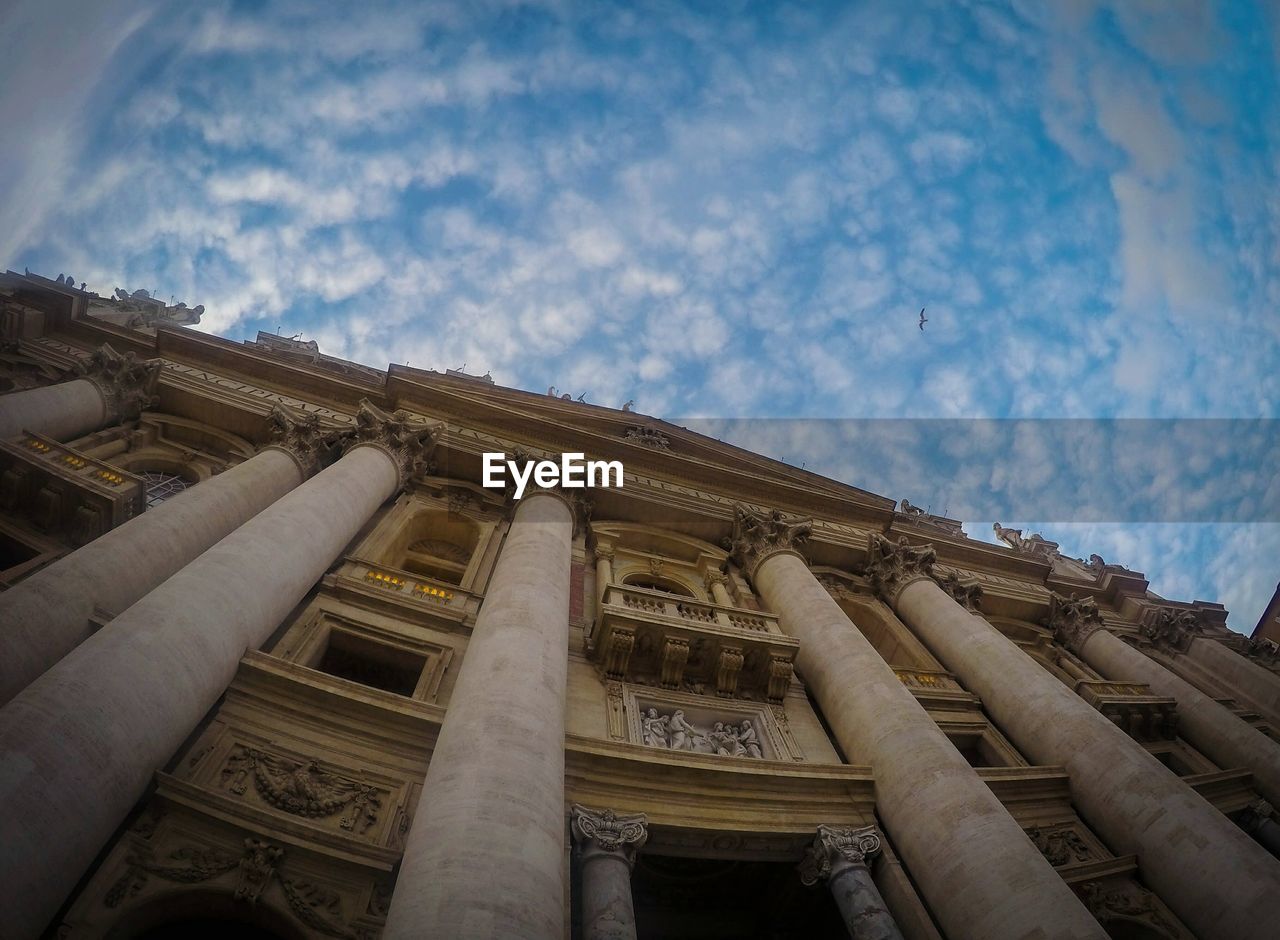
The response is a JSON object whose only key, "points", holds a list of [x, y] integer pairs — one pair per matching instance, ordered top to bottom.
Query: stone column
{"points": [[112, 388], [604, 572], [718, 582], [46, 616], [1247, 680], [1208, 725], [78, 746], [607, 845], [485, 856], [840, 856], [980, 874], [1215, 878]]}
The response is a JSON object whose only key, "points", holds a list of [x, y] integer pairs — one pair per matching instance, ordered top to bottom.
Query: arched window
{"points": [[160, 486], [438, 545], [665, 585]]}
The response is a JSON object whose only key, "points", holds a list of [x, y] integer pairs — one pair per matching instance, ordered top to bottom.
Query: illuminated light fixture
{"points": [[39, 446], [71, 460], [106, 476], [382, 579], [433, 592]]}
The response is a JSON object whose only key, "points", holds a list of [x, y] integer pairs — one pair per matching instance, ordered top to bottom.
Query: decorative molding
{"points": [[127, 383], [301, 435], [647, 437], [406, 441], [759, 535], [891, 567], [967, 592], [1073, 620], [1169, 628], [302, 788], [604, 832], [1060, 845], [835, 847], [257, 867], [1128, 902]]}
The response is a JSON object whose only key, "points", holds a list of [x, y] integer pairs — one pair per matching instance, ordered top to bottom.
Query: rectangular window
{"points": [[370, 663]]}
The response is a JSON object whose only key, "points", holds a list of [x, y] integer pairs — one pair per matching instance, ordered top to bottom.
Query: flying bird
{"points": [[923, 319]]}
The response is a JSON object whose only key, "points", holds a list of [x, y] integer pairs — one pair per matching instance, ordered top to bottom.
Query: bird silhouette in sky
{"points": [[923, 319]]}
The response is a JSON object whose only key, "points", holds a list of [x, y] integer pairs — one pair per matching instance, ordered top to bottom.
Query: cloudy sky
{"points": [[717, 210]]}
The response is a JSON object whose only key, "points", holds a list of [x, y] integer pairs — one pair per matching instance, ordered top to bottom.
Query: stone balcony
{"points": [[650, 637], [1133, 707]]}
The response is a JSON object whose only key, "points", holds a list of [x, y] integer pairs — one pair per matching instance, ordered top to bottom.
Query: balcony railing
{"points": [[647, 636]]}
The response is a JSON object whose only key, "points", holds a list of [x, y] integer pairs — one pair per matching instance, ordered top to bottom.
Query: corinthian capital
{"points": [[127, 383], [301, 435], [407, 442], [758, 535], [891, 567], [967, 592], [1073, 620], [1172, 629], [604, 832], [834, 847]]}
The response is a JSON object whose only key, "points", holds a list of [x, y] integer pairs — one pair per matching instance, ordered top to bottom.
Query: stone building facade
{"points": [[274, 663]]}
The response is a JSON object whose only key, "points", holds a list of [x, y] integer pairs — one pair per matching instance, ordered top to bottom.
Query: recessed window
{"points": [[161, 486], [665, 585], [370, 663]]}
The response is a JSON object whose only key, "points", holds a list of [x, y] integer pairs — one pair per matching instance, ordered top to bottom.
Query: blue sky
{"points": [[734, 213]]}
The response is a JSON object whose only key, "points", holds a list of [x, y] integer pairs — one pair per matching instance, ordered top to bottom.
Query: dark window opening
{"points": [[372, 664]]}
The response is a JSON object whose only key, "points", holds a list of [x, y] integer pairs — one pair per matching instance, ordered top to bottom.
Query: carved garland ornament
{"points": [[126, 382], [407, 442], [758, 535], [891, 567], [1073, 620], [303, 789], [836, 846]]}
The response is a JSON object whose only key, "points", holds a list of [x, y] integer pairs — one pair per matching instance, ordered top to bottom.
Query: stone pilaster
{"points": [[79, 746], [607, 845], [485, 856], [840, 856], [1215, 878], [993, 882]]}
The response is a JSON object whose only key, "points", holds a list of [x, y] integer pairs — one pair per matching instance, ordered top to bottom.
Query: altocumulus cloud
{"points": [[718, 212]]}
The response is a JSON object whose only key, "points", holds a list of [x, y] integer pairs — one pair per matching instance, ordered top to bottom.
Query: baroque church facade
{"points": [[274, 663]]}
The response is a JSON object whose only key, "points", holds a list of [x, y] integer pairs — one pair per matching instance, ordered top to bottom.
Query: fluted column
{"points": [[111, 388], [46, 616], [1225, 737], [79, 745], [607, 844], [485, 856], [840, 856], [980, 874], [1215, 878]]}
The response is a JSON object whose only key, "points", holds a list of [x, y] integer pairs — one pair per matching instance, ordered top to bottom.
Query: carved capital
{"points": [[127, 383], [301, 435], [408, 443], [757, 536], [892, 566], [967, 592], [1073, 620], [1172, 629], [604, 832], [836, 847]]}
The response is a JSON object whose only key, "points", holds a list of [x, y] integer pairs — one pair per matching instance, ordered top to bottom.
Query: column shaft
{"points": [[63, 412], [47, 615], [1254, 685], [1227, 739], [79, 745], [485, 856], [981, 875], [1215, 878], [860, 903], [608, 912]]}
